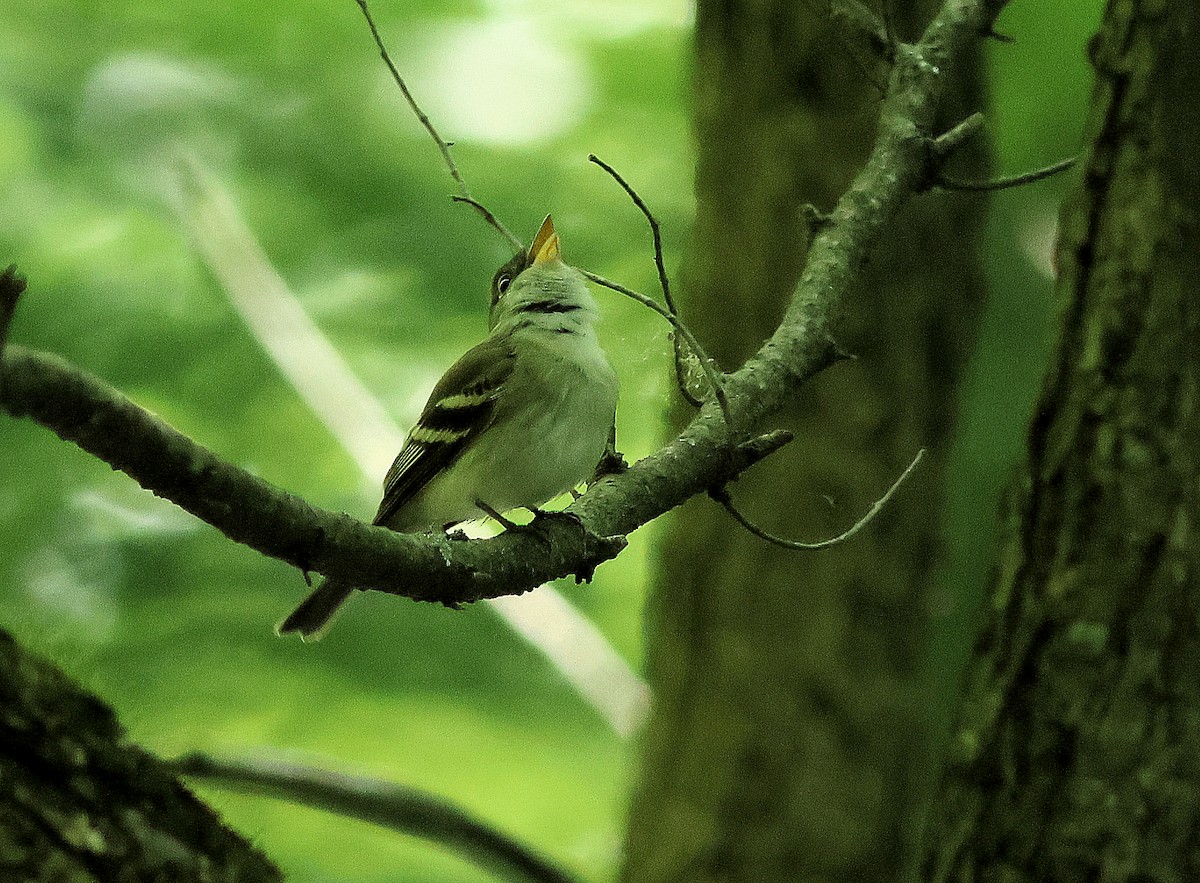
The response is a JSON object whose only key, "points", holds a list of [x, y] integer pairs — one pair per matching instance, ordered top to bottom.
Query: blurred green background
{"points": [[118, 114]]}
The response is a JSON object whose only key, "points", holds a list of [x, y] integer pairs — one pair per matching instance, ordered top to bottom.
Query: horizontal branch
{"points": [[82, 409], [707, 454]]}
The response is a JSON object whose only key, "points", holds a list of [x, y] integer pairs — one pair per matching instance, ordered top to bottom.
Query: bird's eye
{"points": [[503, 282]]}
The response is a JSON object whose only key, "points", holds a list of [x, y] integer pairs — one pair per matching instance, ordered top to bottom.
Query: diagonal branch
{"points": [[902, 163], [382, 803]]}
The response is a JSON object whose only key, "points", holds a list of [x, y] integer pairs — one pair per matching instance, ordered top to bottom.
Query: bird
{"points": [[520, 418]]}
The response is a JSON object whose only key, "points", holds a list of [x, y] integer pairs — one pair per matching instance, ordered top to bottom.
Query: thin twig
{"points": [[954, 137], [442, 144], [1012, 181], [491, 219], [655, 229], [663, 281], [714, 378], [722, 497], [388, 805]]}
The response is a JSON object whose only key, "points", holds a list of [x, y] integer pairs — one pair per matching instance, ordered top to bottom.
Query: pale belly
{"points": [[530, 457]]}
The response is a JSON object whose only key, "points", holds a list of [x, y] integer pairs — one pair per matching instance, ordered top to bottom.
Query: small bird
{"points": [[522, 417]]}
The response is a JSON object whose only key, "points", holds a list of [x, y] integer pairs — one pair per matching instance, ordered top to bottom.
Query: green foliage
{"points": [[293, 112]]}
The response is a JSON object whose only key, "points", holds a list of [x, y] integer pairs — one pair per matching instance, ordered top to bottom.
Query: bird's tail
{"points": [[312, 617]]}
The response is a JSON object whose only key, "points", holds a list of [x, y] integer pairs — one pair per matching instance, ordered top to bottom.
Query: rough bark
{"points": [[785, 732], [1077, 753], [78, 803]]}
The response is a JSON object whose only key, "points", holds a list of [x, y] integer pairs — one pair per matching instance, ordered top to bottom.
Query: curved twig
{"points": [[1011, 181], [487, 215], [655, 229], [663, 281], [722, 497], [382, 803]]}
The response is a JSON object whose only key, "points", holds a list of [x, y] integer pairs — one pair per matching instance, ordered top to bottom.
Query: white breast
{"points": [[550, 429]]}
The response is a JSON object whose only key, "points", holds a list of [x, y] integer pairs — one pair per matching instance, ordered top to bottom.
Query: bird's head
{"points": [[536, 283]]}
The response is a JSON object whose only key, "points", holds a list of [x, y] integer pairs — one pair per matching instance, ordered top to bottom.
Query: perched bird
{"points": [[521, 418]]}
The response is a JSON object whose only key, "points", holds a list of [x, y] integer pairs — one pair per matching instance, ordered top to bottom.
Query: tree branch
{"points": [[903, 163], [664, 282], [722, 496], [79, 802], [386, 804]]}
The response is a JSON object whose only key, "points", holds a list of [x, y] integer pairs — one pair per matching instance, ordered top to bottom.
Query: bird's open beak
{"points": [[545, 244]]}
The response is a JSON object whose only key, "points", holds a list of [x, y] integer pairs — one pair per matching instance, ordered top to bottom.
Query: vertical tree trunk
{"points": [[784, 732], [1077, 752], [78, 803]]}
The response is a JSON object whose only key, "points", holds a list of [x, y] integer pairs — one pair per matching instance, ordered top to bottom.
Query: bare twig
{"points": [[954, 137], [442, 144], [1062, 165], [487, 215], [655, 229], [663, 281], [710, 371], [722, 496], [382, 803]]}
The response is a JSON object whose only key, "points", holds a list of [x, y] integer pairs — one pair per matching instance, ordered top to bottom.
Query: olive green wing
{"points": [[460, 407]]}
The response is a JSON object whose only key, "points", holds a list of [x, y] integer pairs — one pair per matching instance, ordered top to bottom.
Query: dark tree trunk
{"points": [[786, 734], [1077, 752], [78, 803]]}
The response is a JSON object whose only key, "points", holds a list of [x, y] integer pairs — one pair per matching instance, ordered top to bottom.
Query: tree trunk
{"points": [[785, 732], [1077, 751], [78, 803]]}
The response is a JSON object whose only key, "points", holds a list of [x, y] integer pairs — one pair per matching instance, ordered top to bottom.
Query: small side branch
{"points": [[957, 135], [947, 183], [491, 219], [655, 229], [663, 281], [722, 497], [388, 805]]}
